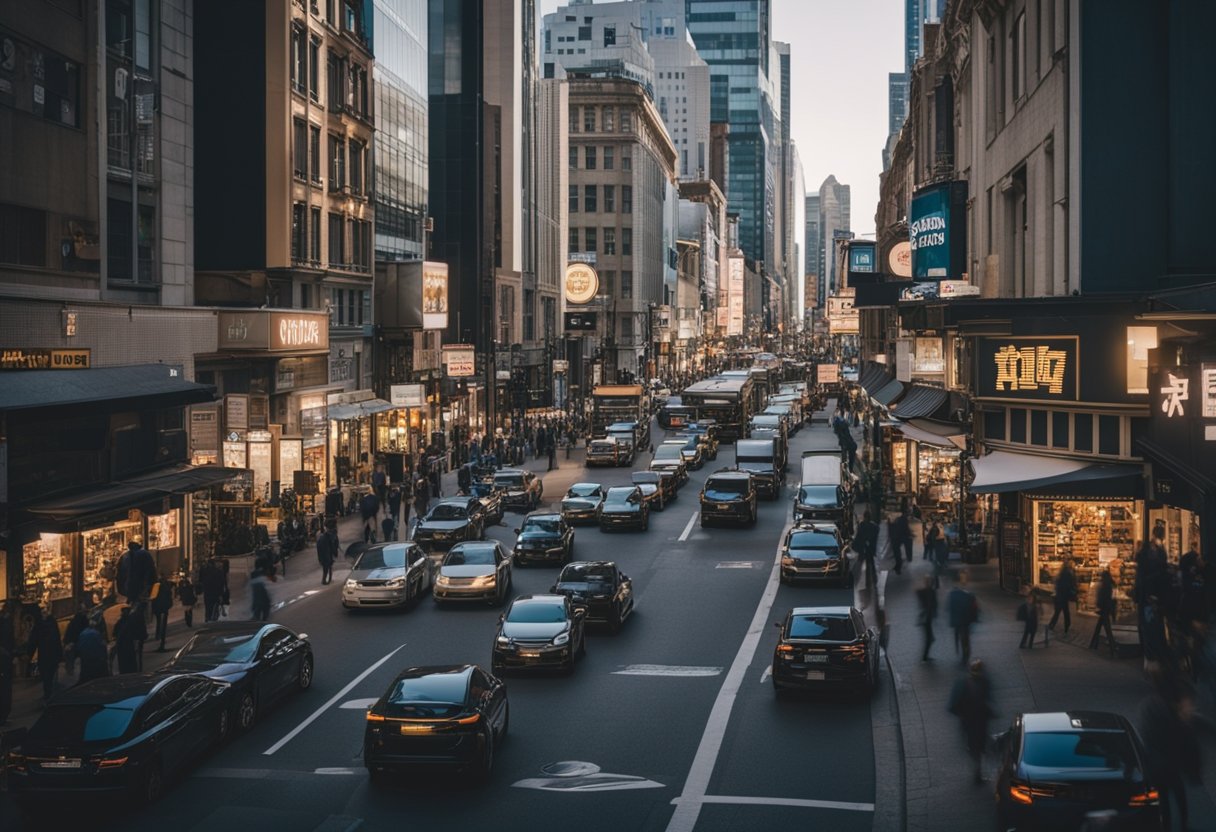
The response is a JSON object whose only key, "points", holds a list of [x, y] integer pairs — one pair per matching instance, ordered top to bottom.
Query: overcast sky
{"points": [[840, 54]]}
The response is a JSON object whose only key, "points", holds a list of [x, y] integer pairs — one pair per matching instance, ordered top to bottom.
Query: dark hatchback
{"points": [[728, 496], [624, 506], [450, 521], [543, 538], [813, 553], [601, 588], [538, 632], [825, 647], [261, 662], [448, 717], [122, 736], [1060, 770]]}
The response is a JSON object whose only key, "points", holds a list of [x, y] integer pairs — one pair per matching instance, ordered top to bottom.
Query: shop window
{"points": [[1140, 339], [994, 424], [1017, 425], [1038, 427], [1059, 429], [1083, 433], [1109, 434], [163, 531], [1096, 535], [48, 569]]}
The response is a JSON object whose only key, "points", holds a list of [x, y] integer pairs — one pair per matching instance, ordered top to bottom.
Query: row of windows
{"points": [[346, 80], [606, 117], [592, 157], [347, 159], [591, 203], [350, 240], [590, 241], [348, 307], [1086, 433]]}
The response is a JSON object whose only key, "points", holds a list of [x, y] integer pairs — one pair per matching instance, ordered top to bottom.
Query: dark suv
{"points": [[728, 495], [450, 521]]}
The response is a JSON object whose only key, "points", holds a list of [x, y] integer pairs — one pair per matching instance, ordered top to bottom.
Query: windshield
{"points": [[767, 421], [625, 437], [603, 447], [667, 452], [758, 466], [504, 480], [727, 486], [583, 490], [619, 495], [818, 495], [447, 511], [544, 525], [812, 540], [470, 555], [387, 557], [586, 573], [536, 612], [822, 627], [222, 647], [437, 695], [71, 724], [1079, 749]]}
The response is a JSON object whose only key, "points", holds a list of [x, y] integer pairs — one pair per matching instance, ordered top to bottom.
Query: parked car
{"points": [[694, 456], [670, 458], [520, 490], [654, 490], [728, 495], [582, 502], [624, 505], [449, 521], [545, 536], [814, 553], [478, 571], [386, 576], [601, 588], [540, 631], [825, 647], [260, 662], [451, 716], [121, 736], [1059, 771]]}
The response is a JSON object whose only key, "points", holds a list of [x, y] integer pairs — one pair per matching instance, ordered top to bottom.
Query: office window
{"points": [[584, 33], [609, 36], [1018, 53], [299, 59], [314, 68], [335, 73], [356, 91], [573, 119], [588, 119], [608, 119], [626, 121], [299, 148], [314, 153], [358, 154], [573, 154], [626, 157], [608, 158], [589, 159], [337, 163], [626, 198], [573, 199], [609, 199], [589, 201], [314, 235], [572, 240], [589, 240], [609, 241], [299, 242], [626, 242], [361, 244], [337, 248], [626, 285], [306, 296], [1140, 339], [994, 424], [1017, 425], [1038, 427], [1059, 429], [1083, 432], [1109, 434]]}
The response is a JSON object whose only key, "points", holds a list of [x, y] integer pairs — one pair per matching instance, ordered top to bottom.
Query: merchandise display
{"points": [[1097, 536], [48, 569]]}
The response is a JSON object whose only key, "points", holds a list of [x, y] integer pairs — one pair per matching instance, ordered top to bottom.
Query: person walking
{"points": [[552, 450], [380, 483], [422, 499], [394, 507], [369, 508], [901, 538], [865, 541], [929, 550], [327, 552], [136, 572], [212, 579], [259, 591], [1065, 593], [926, 597], [188, 598], [162, 602], [1106, 609], [964, 612], [1028, 614], [71, 634], [126, 641], [45, 644], [91, 650], [970, 701], [1172, 750]]}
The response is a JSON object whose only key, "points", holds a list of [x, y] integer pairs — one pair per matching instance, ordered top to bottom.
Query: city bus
{"points": [[728, 399]]}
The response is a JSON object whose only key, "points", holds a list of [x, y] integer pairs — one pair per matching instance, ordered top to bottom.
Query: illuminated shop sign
{"points": [[1043, 368]]}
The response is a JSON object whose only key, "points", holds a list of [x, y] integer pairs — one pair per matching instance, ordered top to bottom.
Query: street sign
{"points": [[459, 360]]}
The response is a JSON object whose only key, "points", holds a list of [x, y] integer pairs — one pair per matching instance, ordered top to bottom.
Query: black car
{"points": [[693, 450], [670, 457], [520, 490], [654, 491], [729, 496], [491, 502], [582, 502], [625, 506], [450, 521], [543, 537], [814, 553], [605, 591], [540, 631], [825, 647], [261, 662], [450, 716], [122, 736], [1059, 769]]}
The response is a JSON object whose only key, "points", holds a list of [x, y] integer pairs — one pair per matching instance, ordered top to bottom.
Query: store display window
{"points": [[938, 474], [1181, 529], [163, 531], [1096, 535], [101, 549], [48, 569]]}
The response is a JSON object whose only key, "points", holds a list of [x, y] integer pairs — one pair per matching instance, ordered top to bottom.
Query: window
{"points": [[352, 17], [584, 33], [609, 36], [1018, 56], [299, 59], [314, 68], [335, 70], [356, 91], [588, 119], [608, 119], [573, 120], [626, 121], [299, 148], [314, 153], [358, 153], [573, 156], [590, 158], [608, 158], [626, 158], [337, 163], [626, 196], [574, 199], [609, 199], [589, 201], [299, 235], [314, 235], [589, 239], [572, 241], [609, 241], [626, 242], [360, 245], [337, 249], [609, 278], [626, 285], [306, 296], [626, 322], [1140, 339], [994, 424], [1017, 425], [1038, 427], [1059, 429], [1109, 431], [1083, 432]]}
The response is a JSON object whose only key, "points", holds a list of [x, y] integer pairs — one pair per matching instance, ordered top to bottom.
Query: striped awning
{"points": [[920, 400]]}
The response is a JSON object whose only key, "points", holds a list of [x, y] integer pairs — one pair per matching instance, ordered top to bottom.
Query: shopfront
{"points": [[924, 462]]}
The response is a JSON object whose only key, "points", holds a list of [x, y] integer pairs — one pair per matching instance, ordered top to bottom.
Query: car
{"points": [[707, 428], [709, 447], [608, 450], [694, 456], [670, 458], [667, 480], [520, 490], [654, 490], [729, 494], [491, 502], [582, 502], [624, 505], [449, 521], [544, 536], [814, 553], [474, 571], [387, 576], [601, 588], [540, 631], [825, 647], [260, 662], [448, 716], [122, 737], [1059, 770]]}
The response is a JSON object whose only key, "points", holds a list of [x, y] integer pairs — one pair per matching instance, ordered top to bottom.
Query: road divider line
{"points": [[688, 528], [666, 670], [768, 671], [337, 696], [696, 786], [736, 800]]}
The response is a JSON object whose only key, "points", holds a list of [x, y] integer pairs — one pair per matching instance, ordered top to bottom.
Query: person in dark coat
{"points": [[422, 498], [394, 503], [369, 507], [387, 528], [901, 539], [865, 541], [327, 552], [929, 552], [136, 572], [212, 579], [260, 591], [1065, 594], [188, 598], [926, 598], [1192, 600], [161, 604], [1106, 609], [964, 612], [1028, 614], [75, 627], [127, 634], [46, 644], [91, 650], [970, 701], [1172, 751]]}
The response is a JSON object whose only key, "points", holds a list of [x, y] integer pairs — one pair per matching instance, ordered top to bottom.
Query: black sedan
{"points": [[520, 490], [582, 502], [624, 506], [450, 521], [544, 537], [814, 553], [599, 586], [540, 631], [825, 647], [261, 662], [450, 716], [121, 736], [1058, 770]]}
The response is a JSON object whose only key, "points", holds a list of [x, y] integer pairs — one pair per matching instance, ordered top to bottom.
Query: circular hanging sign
{"points": [[899, 259], [582, 283]]}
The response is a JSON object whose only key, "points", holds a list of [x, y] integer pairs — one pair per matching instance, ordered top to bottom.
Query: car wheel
{"points": [[614, 621], [305, 680], [246, 711], [152, 784]]}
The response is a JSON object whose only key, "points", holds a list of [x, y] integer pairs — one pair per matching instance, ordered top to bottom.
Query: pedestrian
{"points": [[552, 451], [464, 478], [380, 484], [436, 491], [422, 498], [394, 504], [369, 508], [386, 527], [901, 538], [865, 541], [929, 550], [327, 552], [136, 572], [212, 579], [259, 591], [226, 594], [1065, 594], [1193, 595], [187, 596], [926, 596], [162, 602], [1106, 609], [964, 612], [1028, 614], [78, 624], [127, 640], [45, 644], [91, 650], [8, 655], [970, 701], [1172, 751]]}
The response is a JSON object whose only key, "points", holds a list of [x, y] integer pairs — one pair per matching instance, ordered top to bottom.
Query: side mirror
{"points": [[517, 531], [553, 588], [501, 618], [777, 624], [303, 636]]}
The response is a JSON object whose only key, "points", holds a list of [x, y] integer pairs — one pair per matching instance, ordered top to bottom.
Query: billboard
{"points": [[937, 231], [863, 257], [582, 283], [434, 295], [734, 296], [842, 317], [459, 360], [1042, 368]]}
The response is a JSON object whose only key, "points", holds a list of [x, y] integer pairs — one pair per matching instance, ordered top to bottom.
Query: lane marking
{"points": [[688, 528], [736, 564], [666, 670], [768, 671], [336, 697], [358, 704], [336, 770], [578, 776], [740, 800], [688, 807]]}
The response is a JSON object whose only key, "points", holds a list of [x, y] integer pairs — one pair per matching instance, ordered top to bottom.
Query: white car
{"points": [[387, 575]]}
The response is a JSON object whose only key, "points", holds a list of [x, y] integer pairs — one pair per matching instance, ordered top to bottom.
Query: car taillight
{"points": [[785, 648], [371, 717], [468, 720], [111, 762], [1020, 793], [1146, 798]]}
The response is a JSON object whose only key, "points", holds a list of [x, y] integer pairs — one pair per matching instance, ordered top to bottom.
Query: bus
{"points": [[759, 386], [728, 399], [613, 403], [675, 414]]}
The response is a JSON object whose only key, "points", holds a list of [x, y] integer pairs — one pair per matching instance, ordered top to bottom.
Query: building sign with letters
{"points": [[937, 229], [862, 257], [582, 283], [434, 295], [269, 330], [18, 358], [459, 360], [1043, 368], [407, 395]]}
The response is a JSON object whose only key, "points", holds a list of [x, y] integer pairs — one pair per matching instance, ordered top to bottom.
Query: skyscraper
{"points": [[916, 14], [834, 209], [814, 246]]}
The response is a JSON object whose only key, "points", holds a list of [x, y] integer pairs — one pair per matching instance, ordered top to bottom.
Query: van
{"points": [[790, 403], [775, 427], [762, 459], [824, 492]]}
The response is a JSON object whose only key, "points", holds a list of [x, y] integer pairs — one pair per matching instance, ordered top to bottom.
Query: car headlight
{"points": [[787, 561], [442, 580], [351, 583], [395, 583], [561, 638], [503, 641]]}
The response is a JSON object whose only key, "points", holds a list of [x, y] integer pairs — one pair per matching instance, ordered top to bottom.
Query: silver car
{"points": [[474, 571], [387, 575]]}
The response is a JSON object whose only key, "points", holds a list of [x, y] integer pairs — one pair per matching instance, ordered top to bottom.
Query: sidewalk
{"points": [[303, 574], [937, 770]]}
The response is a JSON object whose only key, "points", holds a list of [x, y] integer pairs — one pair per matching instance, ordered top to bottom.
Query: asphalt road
{"points": [[674, 716]]}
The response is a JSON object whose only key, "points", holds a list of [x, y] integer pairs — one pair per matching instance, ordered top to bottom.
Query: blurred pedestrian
{"points": [[394, 502], [369, 509], [387, 528], [900, 531], [865, 541], [929, 550], [327, 552], [136, 572], [212, 579], [259, 590], [1065, 594], [188, 597], [926, 597], [162, 602], [1106, 609], [964, 612], [1028, 614], [78, 624], [126, 640], [45, 644], [91, 650], [970, 701], [1174, 756]]}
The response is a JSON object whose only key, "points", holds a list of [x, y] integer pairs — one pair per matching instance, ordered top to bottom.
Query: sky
{"points": [[840, 54]]}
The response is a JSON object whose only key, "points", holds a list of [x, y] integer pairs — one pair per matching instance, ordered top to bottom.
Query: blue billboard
{"points": [[937, 230], [863, 257]]}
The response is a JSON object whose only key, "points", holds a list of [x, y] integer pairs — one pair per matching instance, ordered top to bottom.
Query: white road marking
{"points": [[688, 529], [736, 564], [666, 670], [768, 671], [336, 697], [358, 704], [335, 770], [577, 776], [781, 801], [688, 805]]}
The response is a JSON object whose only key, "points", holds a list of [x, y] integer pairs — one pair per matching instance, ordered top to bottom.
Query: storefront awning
{"points": [[873, 377], [159, 385], [889, 392], [920, 400], [357, 410], [912, 432], [1003, 471], [133, 492]]}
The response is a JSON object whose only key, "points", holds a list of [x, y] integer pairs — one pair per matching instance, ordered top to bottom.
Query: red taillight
{"points": [[785, 648], [111, 762], [1020, 793], [1146, 798]]}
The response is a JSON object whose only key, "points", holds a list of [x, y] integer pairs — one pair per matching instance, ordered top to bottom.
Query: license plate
{"points": [[723, 506], [529, 654], [817, 658], [815, 675], [61, 764]]}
